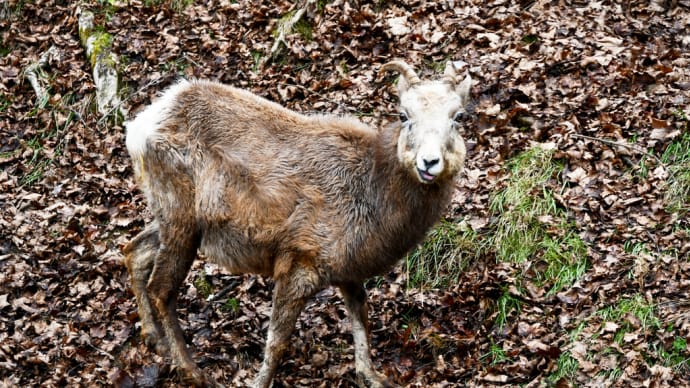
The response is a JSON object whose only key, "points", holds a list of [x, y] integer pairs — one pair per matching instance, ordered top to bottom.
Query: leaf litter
{"points": [[607, 84]]}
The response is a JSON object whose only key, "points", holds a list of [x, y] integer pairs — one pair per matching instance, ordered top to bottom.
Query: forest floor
{"points": [[580, 279]]}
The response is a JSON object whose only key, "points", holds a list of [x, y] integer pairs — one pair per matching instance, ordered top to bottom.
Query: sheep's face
{"points": [[432, 114]]}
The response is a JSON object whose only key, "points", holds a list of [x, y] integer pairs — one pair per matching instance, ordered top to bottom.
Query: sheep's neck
{"points": [[406, 208]]}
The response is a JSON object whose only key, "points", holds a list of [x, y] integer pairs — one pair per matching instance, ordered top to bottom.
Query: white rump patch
{"points": [[147, 122]]}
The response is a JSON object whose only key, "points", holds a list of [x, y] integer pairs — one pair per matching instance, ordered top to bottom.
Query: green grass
{"points": [[304, 29], [529, 39], [4, 50], [256, 56], [177, 66], [436, 66], [5, 101], [50, 138], [7, 154], [676, 157], [37, 163], [36, 173], [522, 203], [531, 227], [634, 248], [441, 258], [566, 261], [232, 306], [505, 306], [635, 306], [495, 355], [676, 356], [566, 369], [611, 374]]}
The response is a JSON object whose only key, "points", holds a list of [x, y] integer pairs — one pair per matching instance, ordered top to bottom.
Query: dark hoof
{"points": [[156, 343], [197, 378], [374, 380]]}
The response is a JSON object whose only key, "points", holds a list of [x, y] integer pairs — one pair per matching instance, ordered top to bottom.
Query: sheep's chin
{"points": [[425, 177]]}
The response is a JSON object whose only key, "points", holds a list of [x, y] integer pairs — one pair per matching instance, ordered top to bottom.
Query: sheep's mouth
{"points": [[425, 176]]}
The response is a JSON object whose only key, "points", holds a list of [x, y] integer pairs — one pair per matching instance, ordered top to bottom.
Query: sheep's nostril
{"points": [[428, 163]]}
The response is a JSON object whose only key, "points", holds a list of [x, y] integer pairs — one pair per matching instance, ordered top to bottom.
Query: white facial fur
{"points": [[430, 144]]}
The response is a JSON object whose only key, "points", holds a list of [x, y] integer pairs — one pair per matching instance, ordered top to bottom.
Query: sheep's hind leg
{"points": [[139, 257], [174, 259], [356, 302]]}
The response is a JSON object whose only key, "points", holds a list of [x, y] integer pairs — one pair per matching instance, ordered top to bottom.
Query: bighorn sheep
{"points": [[312, 201]]}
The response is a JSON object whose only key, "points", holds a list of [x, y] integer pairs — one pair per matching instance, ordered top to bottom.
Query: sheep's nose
{"points": [[429, 163]]}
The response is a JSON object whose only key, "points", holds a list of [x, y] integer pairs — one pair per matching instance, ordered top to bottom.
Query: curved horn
{"points": [[404, 69]]}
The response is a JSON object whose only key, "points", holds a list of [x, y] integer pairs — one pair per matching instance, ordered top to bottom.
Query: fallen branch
{"points": [[284, 28], [103, 63], [37, 77]]}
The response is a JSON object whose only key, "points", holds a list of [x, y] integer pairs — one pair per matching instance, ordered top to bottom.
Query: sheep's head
{"points": [[430, 145]]}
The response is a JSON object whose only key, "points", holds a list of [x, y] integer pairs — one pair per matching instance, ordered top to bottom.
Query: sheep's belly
{"points": [[236, 254]]}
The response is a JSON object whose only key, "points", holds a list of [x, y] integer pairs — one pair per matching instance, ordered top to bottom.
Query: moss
{"points": [[304, 29], [100, 43], [203, 286]]}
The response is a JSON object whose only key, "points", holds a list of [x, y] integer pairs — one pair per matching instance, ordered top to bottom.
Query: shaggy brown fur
{"points": [[310, 201]]}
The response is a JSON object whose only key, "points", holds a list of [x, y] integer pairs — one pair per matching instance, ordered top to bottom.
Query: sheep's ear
{"points": [[451, 72], [452, 77], [463, 90]]}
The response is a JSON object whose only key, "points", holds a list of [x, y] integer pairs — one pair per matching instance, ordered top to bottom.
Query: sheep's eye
{"points": [[403, 117], [459, 117]]}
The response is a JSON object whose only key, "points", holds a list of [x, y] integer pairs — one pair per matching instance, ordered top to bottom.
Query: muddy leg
{"points": [[175, 256], [139, 257], [289, 297], [356, 302]]}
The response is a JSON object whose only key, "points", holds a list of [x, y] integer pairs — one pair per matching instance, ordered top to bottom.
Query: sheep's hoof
{"points": [[155, 342], [197, 378], [373, 380]]}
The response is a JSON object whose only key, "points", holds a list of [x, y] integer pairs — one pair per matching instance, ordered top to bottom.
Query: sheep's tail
{"points": [[147, 123]]}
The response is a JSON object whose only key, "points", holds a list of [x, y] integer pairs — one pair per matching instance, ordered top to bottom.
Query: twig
{"points": [[616, 144], [233, 284]]}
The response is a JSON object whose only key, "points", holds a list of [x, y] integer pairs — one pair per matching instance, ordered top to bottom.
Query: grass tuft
{"points": [[677, 159], [523, 203], [441, 258], [506, 304], [232, 306], [634, 307], [495, 355], [676, 356], [566, 369]]}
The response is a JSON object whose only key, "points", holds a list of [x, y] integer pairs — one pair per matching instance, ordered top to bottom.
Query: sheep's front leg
{"points": [[140, 254], [290, 294], [356, 302]]}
